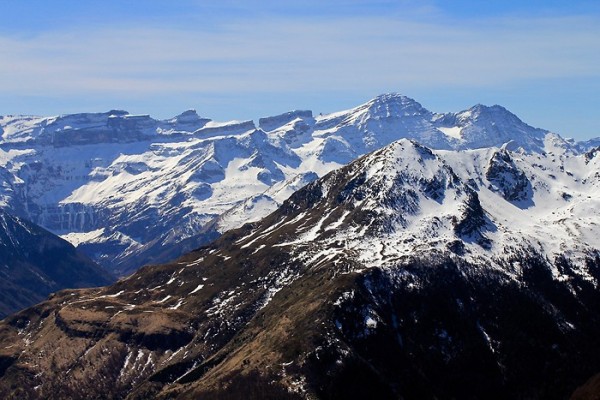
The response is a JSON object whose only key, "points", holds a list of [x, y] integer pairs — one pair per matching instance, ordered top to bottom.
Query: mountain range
{"points": [[130, 190], [410, 273]]}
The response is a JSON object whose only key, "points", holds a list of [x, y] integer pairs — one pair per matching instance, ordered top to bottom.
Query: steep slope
{"points": [[482, 126], [588, 145], [127, 188], [114, 199], [35, 263], [409, 273]]}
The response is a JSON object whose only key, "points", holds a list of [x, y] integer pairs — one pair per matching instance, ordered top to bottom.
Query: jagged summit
{"points": [[395, 103], [386, 107], [191, 114], [495, 115], [484, 126], [98, 177], [401, 191], [409, 273]]}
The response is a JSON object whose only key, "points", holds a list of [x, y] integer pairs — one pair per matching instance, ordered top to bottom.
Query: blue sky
{"points": [[247, 59]]}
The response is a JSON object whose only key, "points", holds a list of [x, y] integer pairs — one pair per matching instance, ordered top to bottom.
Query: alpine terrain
{"points": [[129, 190], [35, 263], [409, 273]]}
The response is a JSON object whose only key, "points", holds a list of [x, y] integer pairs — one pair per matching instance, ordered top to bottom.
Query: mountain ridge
{"points": [[124, 187], [36, 263], [410, 272]]}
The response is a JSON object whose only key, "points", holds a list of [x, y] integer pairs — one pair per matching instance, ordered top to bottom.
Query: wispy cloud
{"points": [[300, 54]]}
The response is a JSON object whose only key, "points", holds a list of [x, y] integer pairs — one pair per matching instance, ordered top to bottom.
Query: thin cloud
{"points": [[239, 58]]}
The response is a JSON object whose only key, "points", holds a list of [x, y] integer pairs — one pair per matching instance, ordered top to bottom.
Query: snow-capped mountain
{"points": [[588, 145], [127, 188], [35, 263], [409, 273]]}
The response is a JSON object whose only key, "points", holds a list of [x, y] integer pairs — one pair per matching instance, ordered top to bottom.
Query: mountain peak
{"points": [[392, 96], [395, 103], [389, 109], [482, 110], [117, 113], [188, 114], [190, 119], [490, 126], [170, 168], [388, 192], [404, 255]]}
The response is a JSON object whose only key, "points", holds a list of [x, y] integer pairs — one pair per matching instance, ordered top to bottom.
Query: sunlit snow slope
{"points": [[129, 190], [408, 273]]}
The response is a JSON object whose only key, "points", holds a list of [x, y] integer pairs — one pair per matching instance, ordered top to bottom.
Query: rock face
{"points": [[271, 123], [507, 179], [124, 188], [35, 263], [405, 274]]}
